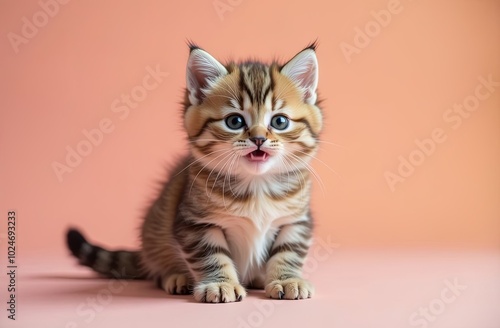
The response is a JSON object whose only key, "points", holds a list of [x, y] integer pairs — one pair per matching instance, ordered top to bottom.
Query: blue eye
{"points": [[235, 122], [280, 122]]}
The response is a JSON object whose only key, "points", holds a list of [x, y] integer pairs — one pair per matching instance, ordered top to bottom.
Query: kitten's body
{"points": [[235, 211]]}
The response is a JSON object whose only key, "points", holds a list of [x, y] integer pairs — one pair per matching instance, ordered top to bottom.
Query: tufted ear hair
{"points": [[203, 71], [303, 71]]}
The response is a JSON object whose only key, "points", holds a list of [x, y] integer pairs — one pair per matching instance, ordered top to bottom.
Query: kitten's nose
{"points": [[258, 140]]}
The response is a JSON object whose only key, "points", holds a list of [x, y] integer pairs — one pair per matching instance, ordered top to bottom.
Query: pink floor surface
{"points": [[386, 289]]}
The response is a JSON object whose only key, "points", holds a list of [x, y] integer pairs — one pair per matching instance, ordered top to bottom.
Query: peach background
{"points": [[394, 91]]}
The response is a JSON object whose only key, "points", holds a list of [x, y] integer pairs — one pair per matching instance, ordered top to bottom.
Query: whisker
{"points": [[218, 140], [332, 143], [199, 159], [228, 161], [322, 162], [231, 166], [288, 169], [310, 169], [211, 171], [218, 173], [228, 174], [281, 174], [301, 179], [192, 184], [224, 189]]}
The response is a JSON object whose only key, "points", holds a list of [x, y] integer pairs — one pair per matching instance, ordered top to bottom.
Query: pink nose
{"points": [[258, 140]]}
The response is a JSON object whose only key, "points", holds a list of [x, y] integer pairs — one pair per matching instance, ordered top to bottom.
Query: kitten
{"points": [[235, 211]]}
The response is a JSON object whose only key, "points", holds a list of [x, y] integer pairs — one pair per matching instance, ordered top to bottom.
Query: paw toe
{"points": [[175, 284], [291, 289], [219, 292]]}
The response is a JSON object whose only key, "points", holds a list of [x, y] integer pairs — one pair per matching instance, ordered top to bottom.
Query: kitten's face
{"points": [[252, 119]]}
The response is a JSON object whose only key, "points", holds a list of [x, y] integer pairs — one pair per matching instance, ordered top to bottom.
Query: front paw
{"points": [[175, 284], [290, 289], [219, 292]]}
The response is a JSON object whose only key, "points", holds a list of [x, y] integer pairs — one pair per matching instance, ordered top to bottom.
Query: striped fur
{"points": [[235, 211]]}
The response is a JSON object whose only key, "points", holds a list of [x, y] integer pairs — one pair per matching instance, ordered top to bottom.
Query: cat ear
{"points": [[303, 70], [202, 72]]}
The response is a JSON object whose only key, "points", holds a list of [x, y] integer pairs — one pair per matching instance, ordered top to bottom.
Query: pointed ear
{"points": [[303, 70], [202, 72]]}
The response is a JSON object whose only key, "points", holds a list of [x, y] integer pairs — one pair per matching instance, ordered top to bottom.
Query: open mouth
{"points": [[257, 156]]}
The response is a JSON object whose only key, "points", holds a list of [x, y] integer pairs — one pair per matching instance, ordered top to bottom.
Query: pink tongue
{"points": [[258, 156]]}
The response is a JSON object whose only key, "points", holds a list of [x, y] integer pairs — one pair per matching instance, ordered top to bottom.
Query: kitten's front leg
{"points": [[207, 254], [284, 266]]}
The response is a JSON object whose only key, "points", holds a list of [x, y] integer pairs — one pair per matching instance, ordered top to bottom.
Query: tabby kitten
{"points": [[235, 211]]}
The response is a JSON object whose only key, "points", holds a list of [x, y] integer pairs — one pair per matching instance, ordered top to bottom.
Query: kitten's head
{"points": [[251, 118]]}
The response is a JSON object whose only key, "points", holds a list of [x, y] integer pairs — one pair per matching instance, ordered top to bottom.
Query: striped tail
{"points": [[118, 264]]}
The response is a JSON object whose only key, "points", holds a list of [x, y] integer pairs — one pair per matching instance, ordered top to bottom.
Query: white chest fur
{"points": [[251, 226], [250, 231]]}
